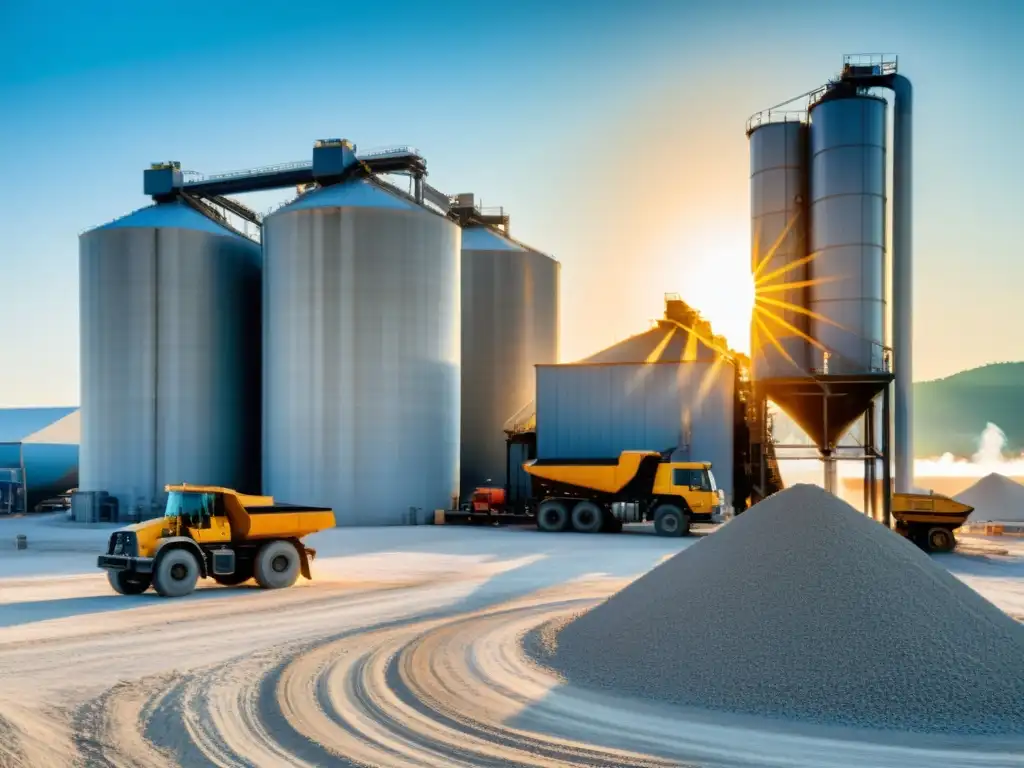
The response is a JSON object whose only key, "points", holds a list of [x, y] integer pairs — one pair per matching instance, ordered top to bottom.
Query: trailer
{"points": [[929, 519]]}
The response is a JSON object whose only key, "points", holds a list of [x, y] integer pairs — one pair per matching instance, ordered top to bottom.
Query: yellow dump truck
{"points": [[592, 495], [929, 519], [215, 533]]}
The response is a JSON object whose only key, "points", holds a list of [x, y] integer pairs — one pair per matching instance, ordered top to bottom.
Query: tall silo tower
{"points": [[778, 210], [843, 276], [847, 295], [509, 325], [361, 345], [170, 355]]}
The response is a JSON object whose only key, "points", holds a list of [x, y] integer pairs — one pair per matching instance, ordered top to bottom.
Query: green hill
{"points": [[950, 413]]}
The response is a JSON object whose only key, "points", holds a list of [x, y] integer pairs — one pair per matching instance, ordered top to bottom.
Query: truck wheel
{"points": [[552, 517], [587, 517], [670, 520], [940, 540], [277, 565], [175, 573], [125, 583]]}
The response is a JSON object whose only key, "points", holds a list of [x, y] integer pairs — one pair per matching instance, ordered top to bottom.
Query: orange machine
{"points": [[488, 499]]}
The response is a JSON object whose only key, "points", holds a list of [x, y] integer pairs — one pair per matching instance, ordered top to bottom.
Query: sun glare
{"points": [[718, 284], [727, 303]]}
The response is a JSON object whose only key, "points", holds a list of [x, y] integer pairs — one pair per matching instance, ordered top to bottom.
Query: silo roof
{"points": [[351, 194], [176, 215], [486, 239], [664, 344], [39, 425]]}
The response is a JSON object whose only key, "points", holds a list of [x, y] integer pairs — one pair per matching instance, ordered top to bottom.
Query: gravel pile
{"points": [[995, 497], [805, 609]]}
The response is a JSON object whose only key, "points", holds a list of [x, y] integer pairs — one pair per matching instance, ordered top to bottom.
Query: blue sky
{"points": [[612, 131]]}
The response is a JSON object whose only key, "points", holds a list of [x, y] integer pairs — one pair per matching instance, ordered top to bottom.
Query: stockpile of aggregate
{"points": [[995, 497], [805, 609]]}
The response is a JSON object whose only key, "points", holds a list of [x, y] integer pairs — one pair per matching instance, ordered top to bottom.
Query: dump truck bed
{"points": [[603, 475], [929, 509], [287, 520]]}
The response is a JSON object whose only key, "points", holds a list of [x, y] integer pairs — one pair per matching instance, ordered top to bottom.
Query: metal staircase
{"points": [[766, 478]]}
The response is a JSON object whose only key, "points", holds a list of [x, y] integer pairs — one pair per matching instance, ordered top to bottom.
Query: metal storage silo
{"points": [[778, 172], [847, 231], [509, 325], [361, 345], [170, 355]]}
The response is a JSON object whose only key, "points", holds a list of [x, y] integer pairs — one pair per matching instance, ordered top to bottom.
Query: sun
{"points": [[721, 288]]}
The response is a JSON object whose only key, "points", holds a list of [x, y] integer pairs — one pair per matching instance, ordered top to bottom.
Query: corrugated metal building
{"points": [[660, 390], [38, 455]]}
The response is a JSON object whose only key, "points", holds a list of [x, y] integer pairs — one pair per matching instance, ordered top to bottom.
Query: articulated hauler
{"points": [[215, 533]]}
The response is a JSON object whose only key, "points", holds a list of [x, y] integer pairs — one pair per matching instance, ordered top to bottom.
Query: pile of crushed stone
{"points": [[995, 498], [805, 609]]}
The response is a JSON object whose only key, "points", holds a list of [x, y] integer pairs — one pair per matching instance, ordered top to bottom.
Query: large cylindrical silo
{"points": [[778, 190], [847, 235], [509, 325], [361, 345], [170, 355]]}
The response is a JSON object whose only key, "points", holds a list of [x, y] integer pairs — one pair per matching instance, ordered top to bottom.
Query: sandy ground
{"points": [[404, 651]]}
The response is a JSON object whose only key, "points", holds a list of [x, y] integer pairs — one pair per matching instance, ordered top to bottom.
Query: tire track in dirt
{"points": [[437, 687], [319, 702], [12, 754]]}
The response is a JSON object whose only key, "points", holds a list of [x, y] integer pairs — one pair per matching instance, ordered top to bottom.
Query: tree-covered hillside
{"points": [[950, 413]]}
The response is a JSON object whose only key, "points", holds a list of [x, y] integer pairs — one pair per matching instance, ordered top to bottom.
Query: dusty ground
{"points": [[403, 652]]}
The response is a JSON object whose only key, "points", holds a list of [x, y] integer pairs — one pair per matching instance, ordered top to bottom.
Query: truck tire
{"points": [[552, 516], [587, 517], [670, 520], [940, 540], [277, 565], [175, 573], [125, 583]]}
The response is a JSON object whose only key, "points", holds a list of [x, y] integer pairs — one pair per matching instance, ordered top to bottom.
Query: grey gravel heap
{"points": [[995, 497], [805, 609]]}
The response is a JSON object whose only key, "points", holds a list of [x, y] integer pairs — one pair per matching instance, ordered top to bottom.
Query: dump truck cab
{"points": [[693, 482], [590, 495], [213, 532]]}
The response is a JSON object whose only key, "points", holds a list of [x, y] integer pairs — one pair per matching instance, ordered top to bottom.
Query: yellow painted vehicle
{"points": [[592, 495], [929, 519], [217, 533]]}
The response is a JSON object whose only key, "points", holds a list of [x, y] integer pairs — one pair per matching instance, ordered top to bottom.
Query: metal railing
{"points": [[881, 64], [769, 116], [379, 153], [261, 171], [880, 360], [524, 420]]}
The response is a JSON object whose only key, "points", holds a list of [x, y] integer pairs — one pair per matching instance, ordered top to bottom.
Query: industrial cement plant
{"points": [[819, 341], [386, 353], [340, 357], [294, 412]]}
